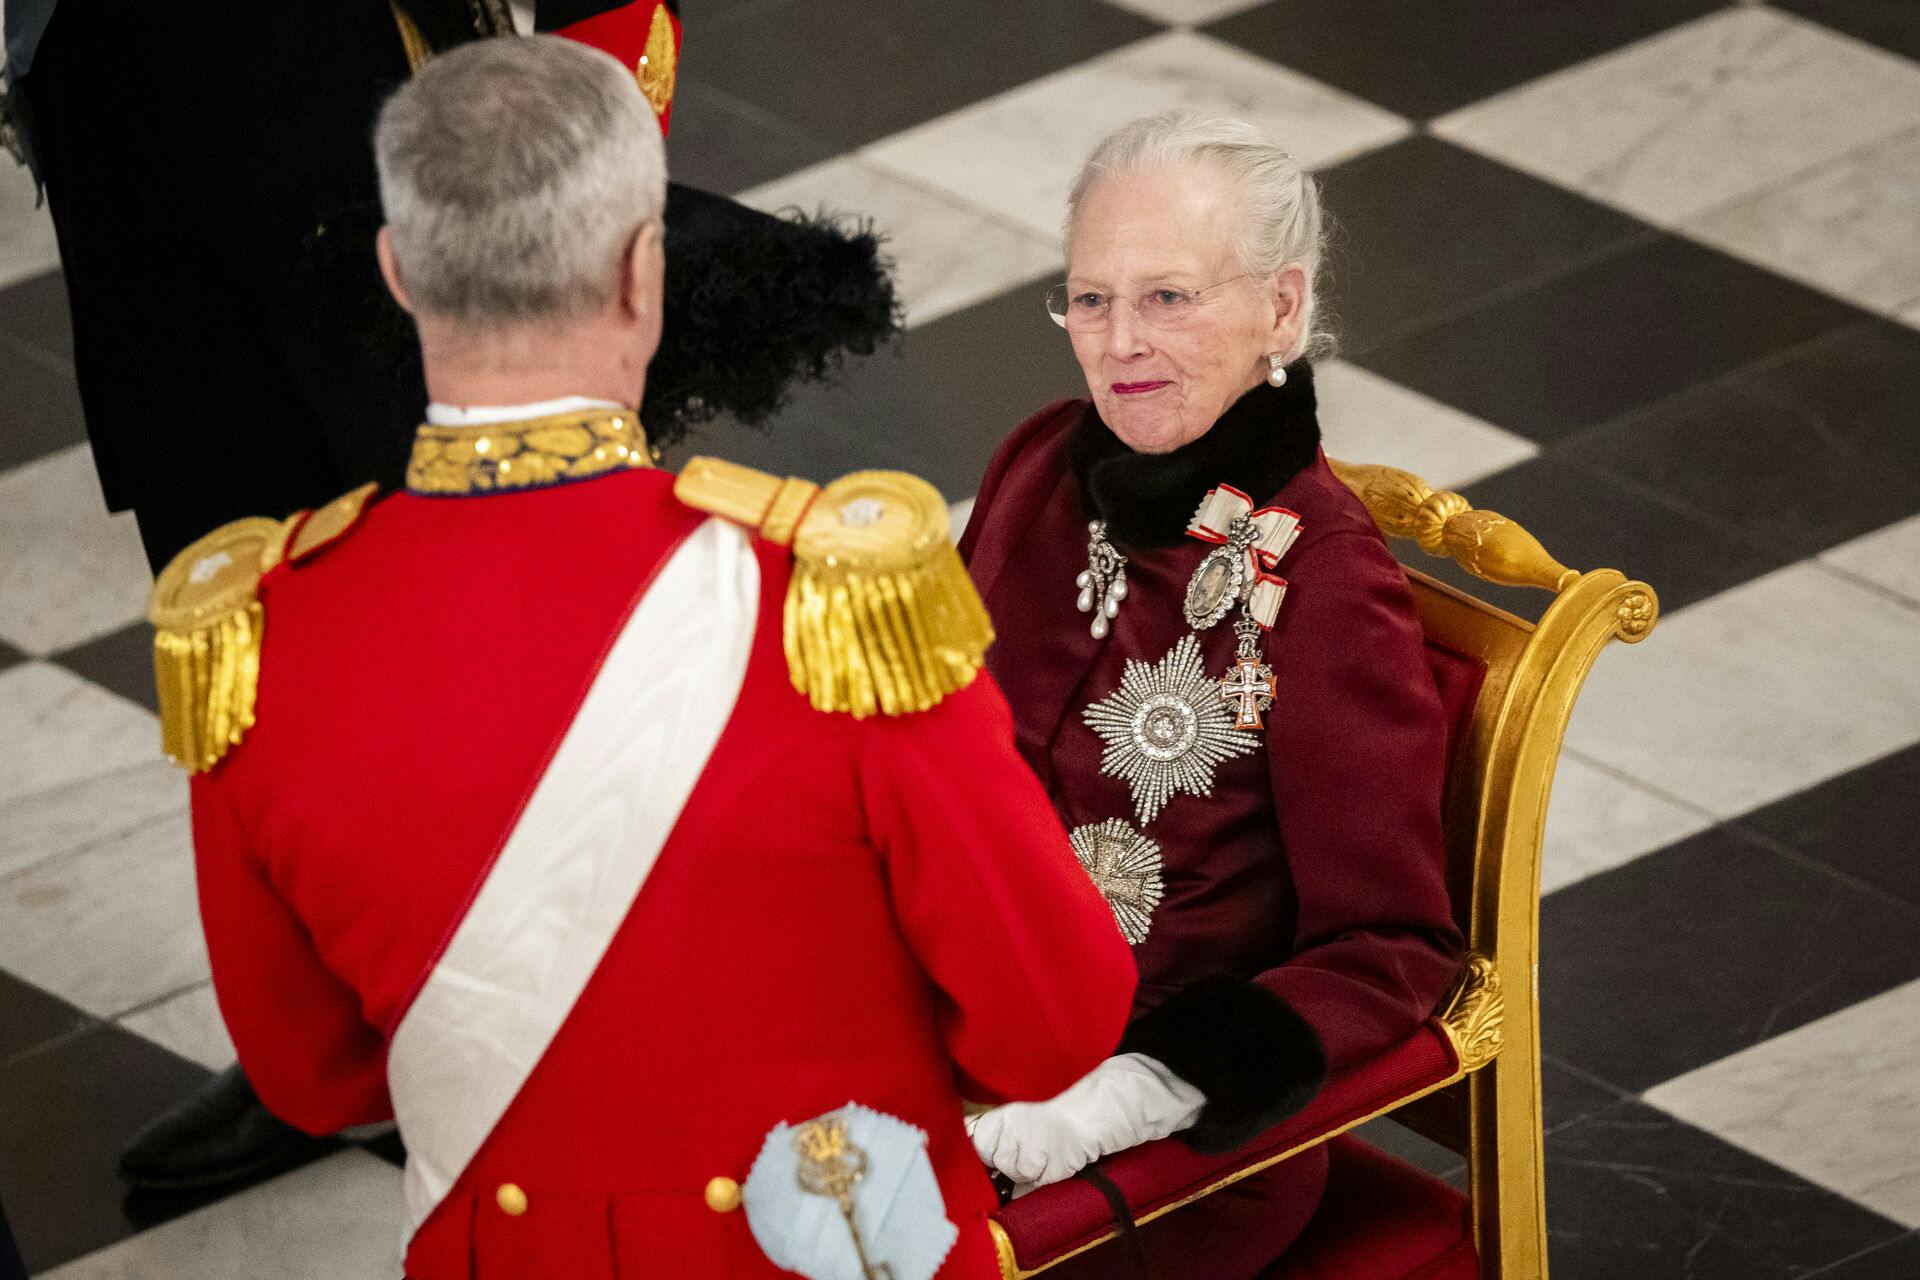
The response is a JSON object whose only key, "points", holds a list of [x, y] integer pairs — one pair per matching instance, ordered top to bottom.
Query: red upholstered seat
{"points": [[1382, 1220], [1054, 1221]]}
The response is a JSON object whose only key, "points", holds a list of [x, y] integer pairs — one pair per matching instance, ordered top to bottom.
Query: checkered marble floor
{"points": [[1644, 275]]}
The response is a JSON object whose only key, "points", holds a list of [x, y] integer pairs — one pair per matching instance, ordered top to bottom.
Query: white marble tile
{"points": [[1186, 13], [1699, 115], [1017, 153], [1851, 227], [27, 246], [947, 254], [1367, 418], [958, 513], [1888, 557], [69, 572], [1758, 692], [57, 729], [60, 819], [1598, 820], [112, 926], [190, 1025], [1836, 1101], [335, 1219]]}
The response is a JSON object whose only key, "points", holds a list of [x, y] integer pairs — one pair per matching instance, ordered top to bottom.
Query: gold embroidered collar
{"points": [[530, 454]]}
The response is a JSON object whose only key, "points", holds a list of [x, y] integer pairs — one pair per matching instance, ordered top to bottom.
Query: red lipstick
{"points": [[1138, 388]]}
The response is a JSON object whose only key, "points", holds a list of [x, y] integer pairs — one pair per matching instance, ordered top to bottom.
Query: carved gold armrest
{"points": [[1487, 545]]}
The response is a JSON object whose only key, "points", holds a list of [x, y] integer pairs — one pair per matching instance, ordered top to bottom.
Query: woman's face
{"points": [[1161, 386]]}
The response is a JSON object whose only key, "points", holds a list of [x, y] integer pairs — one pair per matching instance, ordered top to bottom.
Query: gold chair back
{"points": [[1496, 809]]}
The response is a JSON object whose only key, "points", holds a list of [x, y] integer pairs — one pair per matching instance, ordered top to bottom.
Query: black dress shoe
{"points": [[218, 1136]]}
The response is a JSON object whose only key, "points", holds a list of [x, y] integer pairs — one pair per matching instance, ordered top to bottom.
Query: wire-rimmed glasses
{"points": [[1161, 307]]}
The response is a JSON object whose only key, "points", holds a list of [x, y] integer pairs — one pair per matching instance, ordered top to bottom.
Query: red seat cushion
{"points": [[1056, 1220], [1381, 1220]]}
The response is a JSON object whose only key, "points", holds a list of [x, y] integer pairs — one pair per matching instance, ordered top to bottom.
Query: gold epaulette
{"points": [[881, 615], [208, 624]]}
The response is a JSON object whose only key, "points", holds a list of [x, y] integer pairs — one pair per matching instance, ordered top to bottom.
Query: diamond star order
{"points": [[1166, 729], [1125, 866]]}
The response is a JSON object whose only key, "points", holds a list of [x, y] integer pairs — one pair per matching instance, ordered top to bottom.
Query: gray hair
{"points": [[514, 173], [1284, 222]]}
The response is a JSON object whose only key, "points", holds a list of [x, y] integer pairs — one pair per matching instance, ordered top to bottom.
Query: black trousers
{"points": [[232, 359], [11, 1268]]}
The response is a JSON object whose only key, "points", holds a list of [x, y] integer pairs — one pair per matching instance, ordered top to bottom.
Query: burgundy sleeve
{"points": [[997, 467], [1358, 767], [1035, 977], [310, 1055]]}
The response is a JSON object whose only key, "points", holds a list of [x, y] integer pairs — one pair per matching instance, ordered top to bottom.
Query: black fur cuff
{"points": [[1247, 1049]]}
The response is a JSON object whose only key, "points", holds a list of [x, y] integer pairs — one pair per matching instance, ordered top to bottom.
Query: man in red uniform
{"points": [[595, 838]]}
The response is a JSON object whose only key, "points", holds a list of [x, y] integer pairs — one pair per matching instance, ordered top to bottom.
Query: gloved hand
{"points": [[1123, 1102]]}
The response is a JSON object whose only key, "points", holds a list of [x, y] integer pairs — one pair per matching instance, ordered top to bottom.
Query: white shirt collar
{"points": [[448, 415]]}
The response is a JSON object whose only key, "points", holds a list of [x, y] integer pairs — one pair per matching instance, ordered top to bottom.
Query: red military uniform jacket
{"points": [[876, 908], [1304, 923]]}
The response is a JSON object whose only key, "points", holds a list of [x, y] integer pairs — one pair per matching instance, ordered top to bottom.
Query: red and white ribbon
{"points": [[1277, 528]]}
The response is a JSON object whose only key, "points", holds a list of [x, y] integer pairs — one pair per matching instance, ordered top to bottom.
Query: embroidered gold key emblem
{"points": [[831, 1165]]}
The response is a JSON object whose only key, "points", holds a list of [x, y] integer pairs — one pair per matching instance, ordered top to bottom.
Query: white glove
{"points": [[1121, 1103]]}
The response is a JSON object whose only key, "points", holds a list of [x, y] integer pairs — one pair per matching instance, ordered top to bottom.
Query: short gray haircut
{"points": [[514, 174], [1282, 201]]}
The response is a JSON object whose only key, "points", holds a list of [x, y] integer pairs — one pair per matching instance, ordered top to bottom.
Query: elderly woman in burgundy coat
{"points": [[1216, 669]]}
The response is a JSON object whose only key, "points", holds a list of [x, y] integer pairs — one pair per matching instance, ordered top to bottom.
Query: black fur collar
{"points": [[1263, 440]]}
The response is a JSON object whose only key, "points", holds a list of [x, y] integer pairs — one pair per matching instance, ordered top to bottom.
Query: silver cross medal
{"points": [[1249, 682]]}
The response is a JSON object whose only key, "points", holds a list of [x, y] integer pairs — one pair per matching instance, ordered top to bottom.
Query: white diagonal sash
{"points": [[571, 869]]}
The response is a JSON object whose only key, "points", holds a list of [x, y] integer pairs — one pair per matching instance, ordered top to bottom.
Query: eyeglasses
{"points": [[1164, 307]]}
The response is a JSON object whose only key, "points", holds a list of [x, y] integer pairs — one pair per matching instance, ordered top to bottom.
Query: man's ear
{"points": [[390, 269], [643, 271]]}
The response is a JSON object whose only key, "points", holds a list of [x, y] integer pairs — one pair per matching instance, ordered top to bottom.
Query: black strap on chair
{"points": [[1129, 1241]]}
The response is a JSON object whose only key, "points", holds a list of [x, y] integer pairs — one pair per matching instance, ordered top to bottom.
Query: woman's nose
{"points": [[1125, 340]]}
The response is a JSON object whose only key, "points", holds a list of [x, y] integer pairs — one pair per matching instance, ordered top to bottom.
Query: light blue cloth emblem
{"points": [[849, 1195]]}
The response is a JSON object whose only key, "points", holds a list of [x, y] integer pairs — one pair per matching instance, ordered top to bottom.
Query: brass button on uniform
{"points": [[723, 1195], [511, 1199]]}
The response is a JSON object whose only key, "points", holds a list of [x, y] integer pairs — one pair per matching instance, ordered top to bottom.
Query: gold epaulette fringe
{"points": [[880, 615], [208, 626]]}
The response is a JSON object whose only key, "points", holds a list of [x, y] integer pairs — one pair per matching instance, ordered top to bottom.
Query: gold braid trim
{"points": [[530, 454], [880, 615], [208, 625]]}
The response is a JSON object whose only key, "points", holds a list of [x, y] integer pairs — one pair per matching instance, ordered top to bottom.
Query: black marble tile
{"points": [[1891, 24], [1422, 60], [857, 72], [721, 143], [1423, 227], [34, 310], [1612, 336], [39, 403], [937, 405], [1805, 453], [1589, 520], [121, 661], [1864, 823], [1705, 948], [31, 1018], [1572, 1095], [68, 1110], [389, 1148], [1633, 1192], [1899, 1260]]}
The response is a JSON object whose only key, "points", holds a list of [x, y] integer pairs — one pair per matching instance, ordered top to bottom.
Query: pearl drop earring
{"points": [[1276, 371]]}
